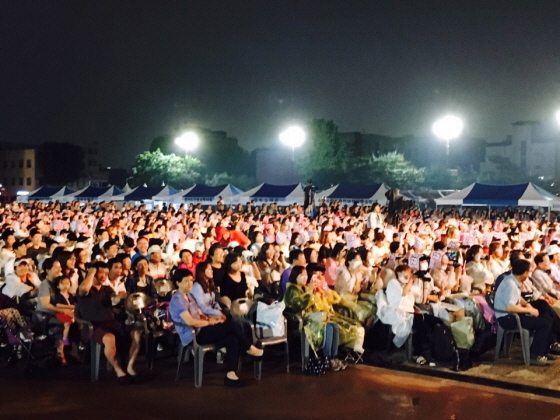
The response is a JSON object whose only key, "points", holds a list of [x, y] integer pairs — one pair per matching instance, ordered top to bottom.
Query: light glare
{"points": [[448, 127], [293, 136], [188, 141]]}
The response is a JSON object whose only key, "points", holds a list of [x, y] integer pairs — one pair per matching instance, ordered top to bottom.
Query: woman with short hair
{"points": [[212, 329]]}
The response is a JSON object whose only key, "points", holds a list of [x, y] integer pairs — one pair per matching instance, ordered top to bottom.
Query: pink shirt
{"points": [[330, 271]]}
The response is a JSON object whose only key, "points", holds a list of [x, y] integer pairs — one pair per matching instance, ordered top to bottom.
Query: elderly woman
{"points": [[477, 269], [212, 329]]}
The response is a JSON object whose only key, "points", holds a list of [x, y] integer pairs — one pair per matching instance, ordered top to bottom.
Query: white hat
{"points": [[233, 244], [199, 246], [153, 249], [553, 249], [247, 254], [21, 261]]}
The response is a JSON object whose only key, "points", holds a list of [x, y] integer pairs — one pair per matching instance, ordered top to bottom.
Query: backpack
{"points": [[442, 344], [444, 349]]}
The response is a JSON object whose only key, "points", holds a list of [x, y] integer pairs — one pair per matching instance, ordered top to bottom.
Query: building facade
{"points": [[529, 149], [18, 170]]}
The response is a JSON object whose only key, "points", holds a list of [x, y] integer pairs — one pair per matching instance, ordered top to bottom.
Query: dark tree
{"points": [[165, 143], [217, 151], [325, 158], [60, 163]]}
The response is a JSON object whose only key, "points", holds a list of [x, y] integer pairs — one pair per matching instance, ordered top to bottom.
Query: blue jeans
{"points": [[330, 348]]}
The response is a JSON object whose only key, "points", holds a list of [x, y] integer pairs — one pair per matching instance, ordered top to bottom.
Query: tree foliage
{"points": [[216, 150], [325, 159], [60, 163], [155, 168], [391, 168]]}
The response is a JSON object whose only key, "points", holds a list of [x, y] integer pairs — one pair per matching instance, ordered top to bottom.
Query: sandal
{"points": [[421, 360]]}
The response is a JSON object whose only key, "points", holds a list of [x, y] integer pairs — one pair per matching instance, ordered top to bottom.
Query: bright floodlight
{"points": [[558, 116], [448, 127], [293, 137], [188, 141]]}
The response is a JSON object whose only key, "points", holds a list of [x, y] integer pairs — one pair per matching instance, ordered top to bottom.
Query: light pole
{"points": [[448, 128], [294, 137], [187, 141]]}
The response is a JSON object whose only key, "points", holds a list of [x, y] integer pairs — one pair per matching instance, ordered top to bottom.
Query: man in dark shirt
{"points": [[36, 247], [216, 255], [94, 305]]}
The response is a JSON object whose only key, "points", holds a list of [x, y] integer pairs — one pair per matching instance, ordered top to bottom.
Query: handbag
{"points": [[270, 319], [317, 365]]}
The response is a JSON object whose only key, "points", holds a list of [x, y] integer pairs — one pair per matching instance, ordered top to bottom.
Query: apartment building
{"points": [[18, 171]]}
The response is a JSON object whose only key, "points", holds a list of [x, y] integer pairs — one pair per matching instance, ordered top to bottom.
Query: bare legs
{"points": [[136, 336], [110, 350]]}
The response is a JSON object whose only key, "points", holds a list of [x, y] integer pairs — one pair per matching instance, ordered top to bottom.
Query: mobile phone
{"points": [[453, 256]]}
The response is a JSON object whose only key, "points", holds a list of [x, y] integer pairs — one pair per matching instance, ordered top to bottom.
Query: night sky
{"points": [[124, 72]]}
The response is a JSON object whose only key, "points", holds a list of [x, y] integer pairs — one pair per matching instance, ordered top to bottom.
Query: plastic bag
{"points": [[473, 310], [440, 313], [271, 317], [463, 332]]}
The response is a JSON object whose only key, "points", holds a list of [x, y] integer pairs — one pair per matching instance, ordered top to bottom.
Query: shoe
{"points": [[25, 335], [555, 348], [258, 353], [551, 358], [421, 360], [539, 361], [338, 365], [124, 380], [233, 383]]}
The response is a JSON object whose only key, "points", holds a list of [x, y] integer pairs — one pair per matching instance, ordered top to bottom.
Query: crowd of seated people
{"points": [[75, 262]]}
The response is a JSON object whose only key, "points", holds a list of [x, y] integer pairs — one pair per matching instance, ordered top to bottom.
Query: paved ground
{"points": [[360, 392]]}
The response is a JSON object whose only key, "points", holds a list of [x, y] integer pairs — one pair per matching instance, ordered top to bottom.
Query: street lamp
{"points": [[448, 128], [294, 137], [187, 141]]}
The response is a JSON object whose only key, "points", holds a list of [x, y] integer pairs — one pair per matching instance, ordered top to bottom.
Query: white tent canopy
{"points": [[269, 193], [350, 193], [204, 194], [517, 195]]}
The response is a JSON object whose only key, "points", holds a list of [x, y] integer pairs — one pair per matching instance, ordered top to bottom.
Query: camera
{"points": [[248, 256]]}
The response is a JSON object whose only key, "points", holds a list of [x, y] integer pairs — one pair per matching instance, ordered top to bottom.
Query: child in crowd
{"points": [[66, 300]]}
